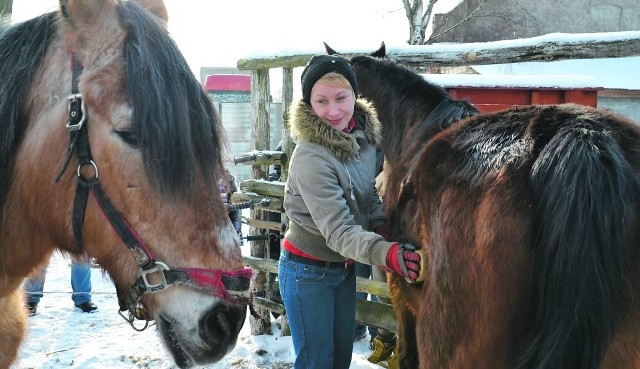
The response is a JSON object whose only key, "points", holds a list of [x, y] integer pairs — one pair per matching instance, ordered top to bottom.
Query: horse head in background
{"points": [[111, 147], [530, 218]]}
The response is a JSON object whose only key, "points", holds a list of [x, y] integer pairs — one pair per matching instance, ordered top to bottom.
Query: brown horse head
{"points": [[133, 187]]}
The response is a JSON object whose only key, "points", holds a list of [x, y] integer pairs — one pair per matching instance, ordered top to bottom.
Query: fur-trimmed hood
{"points": [[307, 126]]}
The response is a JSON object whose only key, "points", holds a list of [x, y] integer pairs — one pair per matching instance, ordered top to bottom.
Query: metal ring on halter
{"points": [[95, 168], [131, 319]]}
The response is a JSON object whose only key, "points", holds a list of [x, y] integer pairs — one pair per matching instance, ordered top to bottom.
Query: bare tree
{"points": [[5, 8], [419, 17]]}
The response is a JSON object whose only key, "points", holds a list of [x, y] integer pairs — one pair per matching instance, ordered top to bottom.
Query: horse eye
{"points": [[128, 137]]}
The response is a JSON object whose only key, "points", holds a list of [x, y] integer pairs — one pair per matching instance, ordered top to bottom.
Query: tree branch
{"points": [[407, 10]]}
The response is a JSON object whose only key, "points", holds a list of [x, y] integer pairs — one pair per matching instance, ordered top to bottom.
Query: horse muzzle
{"points": [[217, 333]]}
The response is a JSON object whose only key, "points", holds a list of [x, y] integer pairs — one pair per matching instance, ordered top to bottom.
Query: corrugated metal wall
{"points": [[236, 118]]}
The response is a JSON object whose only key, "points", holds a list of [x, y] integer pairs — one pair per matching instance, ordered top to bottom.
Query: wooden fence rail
{"points": [[551, 47], [370, 313]]}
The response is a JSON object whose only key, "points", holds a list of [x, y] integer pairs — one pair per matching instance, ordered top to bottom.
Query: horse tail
{"points": [[580, 185]]}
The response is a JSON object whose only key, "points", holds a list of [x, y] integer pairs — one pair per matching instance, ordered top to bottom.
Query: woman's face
{"points": [[334, 105]]}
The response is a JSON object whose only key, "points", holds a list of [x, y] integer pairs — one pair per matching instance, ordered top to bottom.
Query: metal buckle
{"points": [[76, 112], [158, 268]]}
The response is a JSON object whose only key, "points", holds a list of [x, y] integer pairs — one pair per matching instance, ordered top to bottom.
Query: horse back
{"points": [[531, 221]]}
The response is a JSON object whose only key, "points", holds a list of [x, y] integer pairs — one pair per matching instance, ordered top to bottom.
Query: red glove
{"points": [[403, 260]]}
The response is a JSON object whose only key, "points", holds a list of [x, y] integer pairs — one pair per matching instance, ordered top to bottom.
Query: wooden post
{"points": [[287, 97], [259, 141], [287, 148]]}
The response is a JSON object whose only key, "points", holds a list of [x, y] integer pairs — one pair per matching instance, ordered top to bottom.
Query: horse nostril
{"points": [[221, 325]]}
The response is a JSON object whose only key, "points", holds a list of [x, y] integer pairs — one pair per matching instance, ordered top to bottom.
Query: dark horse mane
{"points": [[17, 69], [425, 108], [174, 122], [178, 129]]}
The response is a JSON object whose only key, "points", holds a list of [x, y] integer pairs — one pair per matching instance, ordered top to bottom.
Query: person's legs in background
{"points": [[81, 284], [33, 286], [384, 342]]}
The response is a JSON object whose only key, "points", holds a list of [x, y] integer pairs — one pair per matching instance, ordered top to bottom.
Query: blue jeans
{"points": [[80, 283], [320, 303]]}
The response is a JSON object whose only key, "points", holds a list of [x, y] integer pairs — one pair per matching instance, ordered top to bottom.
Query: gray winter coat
{"points": [[330, 197]]}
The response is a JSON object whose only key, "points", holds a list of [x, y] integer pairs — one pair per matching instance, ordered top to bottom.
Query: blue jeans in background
{"points": [[80, 283], [320, 303]]}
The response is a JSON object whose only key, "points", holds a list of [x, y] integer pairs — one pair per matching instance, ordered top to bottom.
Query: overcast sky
{"points": [[218, 33]]}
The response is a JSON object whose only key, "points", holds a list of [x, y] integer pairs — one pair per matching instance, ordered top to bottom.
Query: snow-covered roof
{"points": [[611, 73], [568, 81]]}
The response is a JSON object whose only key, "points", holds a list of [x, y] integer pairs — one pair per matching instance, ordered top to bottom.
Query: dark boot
{"points": [[87, 306], [32, 308]]}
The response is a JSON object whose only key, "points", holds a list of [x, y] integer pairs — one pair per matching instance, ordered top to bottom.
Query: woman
{"points": [[331, 203]]}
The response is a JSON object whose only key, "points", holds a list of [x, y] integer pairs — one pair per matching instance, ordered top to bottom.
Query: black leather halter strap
{"points": [[231, 286]]}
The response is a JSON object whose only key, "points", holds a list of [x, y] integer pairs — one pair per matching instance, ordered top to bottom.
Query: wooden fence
{"points": [[546, 48]]}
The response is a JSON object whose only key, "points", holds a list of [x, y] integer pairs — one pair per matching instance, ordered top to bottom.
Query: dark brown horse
{"points": [[110, 146], [530, 218]]}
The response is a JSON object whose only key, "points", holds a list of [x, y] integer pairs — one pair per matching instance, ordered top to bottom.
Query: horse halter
{"points": [[233, 286]]}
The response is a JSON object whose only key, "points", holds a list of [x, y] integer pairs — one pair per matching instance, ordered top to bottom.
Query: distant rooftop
{"points": [[611, 73], [228, 82], [563, 82]]}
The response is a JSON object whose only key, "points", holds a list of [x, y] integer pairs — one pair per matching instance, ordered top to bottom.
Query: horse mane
{"points": [[22, 50], [410, 102], [178, 129]]}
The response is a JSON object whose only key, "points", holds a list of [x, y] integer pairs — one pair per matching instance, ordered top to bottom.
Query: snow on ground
{"points": [[61, 336]]}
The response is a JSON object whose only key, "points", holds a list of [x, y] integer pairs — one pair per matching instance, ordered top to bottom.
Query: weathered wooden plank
{"points": [[550, 47], [264, 157], [262, 187], [260, 202], [263, 224], [265, 265], [362, 285], [372, 287], [269, 305], [368, 312], [376, 314]]}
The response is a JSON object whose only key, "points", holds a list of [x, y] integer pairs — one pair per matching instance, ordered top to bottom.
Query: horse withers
{"points": [[111, 147], [530, 218]]}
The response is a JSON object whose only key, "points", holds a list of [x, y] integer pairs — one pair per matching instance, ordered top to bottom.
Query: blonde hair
{"points": [[334, 79]]}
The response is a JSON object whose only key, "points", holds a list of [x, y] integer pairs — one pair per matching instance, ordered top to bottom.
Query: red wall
{"points": [[495, 99]]}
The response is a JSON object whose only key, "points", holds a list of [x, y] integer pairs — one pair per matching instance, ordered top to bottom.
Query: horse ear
{"points": [[155, 7], [77, 12], [330, 51], [381, 52]]}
